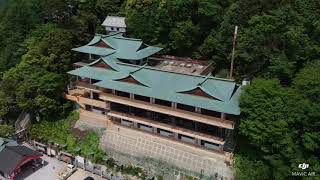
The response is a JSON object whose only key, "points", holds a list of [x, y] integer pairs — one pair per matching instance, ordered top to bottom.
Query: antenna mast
{"points": [[233, 50]]}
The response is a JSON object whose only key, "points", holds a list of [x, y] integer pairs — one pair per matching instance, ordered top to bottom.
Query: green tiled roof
{"points": [[121, 47], [94, 50], [165, 85]]}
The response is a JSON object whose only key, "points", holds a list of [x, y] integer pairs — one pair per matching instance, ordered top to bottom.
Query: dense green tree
{"points": [[183, 37], [277, 40], [37, 82], [282, 124], [6, 131], [249, 169]]}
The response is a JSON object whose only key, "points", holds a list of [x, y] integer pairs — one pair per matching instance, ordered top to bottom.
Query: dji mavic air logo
{"points": [[303, 166]]}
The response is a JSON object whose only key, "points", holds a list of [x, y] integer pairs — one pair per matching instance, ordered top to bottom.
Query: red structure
{"points": [[12, 158]]}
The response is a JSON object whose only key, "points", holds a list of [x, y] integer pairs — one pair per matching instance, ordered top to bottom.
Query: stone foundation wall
{"points": [[161, 156]]}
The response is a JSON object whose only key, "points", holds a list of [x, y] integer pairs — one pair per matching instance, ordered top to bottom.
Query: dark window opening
{"points": [[112, 28], [118, 29], [123, 94], [95, 96], [142, 98], [163, 102], [88, 107], [119, 107], [186, 107], [211, 113], [126, 122], [184, 123], [139, 125], [211, 130], [165, 133], [186, 138], [208, 143]]}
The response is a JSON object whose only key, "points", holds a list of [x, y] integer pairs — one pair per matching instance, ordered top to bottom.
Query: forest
{"points": [[278, 47]]}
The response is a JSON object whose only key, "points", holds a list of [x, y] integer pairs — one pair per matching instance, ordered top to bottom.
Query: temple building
{"points": [[123, 81], [14, 157]]}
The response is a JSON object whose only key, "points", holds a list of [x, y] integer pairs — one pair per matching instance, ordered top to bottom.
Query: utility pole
{"points": [[233, 50]]}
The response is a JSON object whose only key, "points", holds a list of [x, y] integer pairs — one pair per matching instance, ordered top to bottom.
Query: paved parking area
{"points": [[48, 172]]}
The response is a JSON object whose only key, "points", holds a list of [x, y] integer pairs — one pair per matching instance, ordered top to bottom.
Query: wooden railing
{"points": [[86, 85], [83, 100], [167, 110], [175, 129]]}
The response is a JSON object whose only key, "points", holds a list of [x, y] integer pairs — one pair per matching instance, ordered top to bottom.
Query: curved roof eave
{"points": [[203, 89]]}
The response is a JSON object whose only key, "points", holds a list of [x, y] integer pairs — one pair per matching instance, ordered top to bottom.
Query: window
{"points": [[112, 28], [118, 29], [122, 94], [95, 96], [141, 98], [163, 102], [88, 107], [186, 107], [211, 113], [126, 122], [145, 127], [164, 132], [186, 138], [209, 145]]}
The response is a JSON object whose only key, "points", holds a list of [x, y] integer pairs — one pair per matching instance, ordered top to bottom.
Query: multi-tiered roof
{"points": [[206, 92]]}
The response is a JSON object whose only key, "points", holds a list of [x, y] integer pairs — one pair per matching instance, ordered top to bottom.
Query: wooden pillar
{"points": [[131, 96], [152, 100], [173, 105], [198, 110], [223, 116], [135, 124], [196, 126], [155, 130], [176, 135], [198, 141]]}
